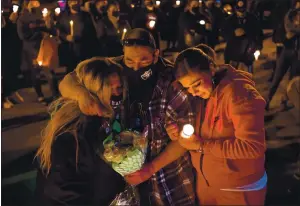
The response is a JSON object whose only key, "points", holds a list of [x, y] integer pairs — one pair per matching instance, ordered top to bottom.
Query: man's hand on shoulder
{"points": [[88, 104]]}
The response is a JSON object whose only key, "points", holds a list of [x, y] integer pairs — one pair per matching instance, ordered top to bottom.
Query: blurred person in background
{"points": [[172, 10], [150, 18], [217, 21], [193, 26], [31, 27], [115, 30], [279, 32], [243, 35], [78, 36], [11, 46], [290, 55]]}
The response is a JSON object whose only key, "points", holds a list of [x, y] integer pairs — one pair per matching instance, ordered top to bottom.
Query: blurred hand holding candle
{"points": [[177, 2], [157, 3], [40, 63]]}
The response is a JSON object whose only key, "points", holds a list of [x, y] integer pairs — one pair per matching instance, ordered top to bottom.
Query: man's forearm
{"points": [[69, 87], [172, 152]]}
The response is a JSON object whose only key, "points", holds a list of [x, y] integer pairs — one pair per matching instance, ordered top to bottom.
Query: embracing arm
{"points": [[70, 87], [246, 109], [172, 152]]}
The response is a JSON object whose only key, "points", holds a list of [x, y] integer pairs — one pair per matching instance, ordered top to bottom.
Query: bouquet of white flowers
{"points": [[126, 153]]}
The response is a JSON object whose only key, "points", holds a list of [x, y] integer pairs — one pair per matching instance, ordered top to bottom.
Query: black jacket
{"points": [[189, 24], [31, 37], [85, 38], [242, 48], [94, 182]]}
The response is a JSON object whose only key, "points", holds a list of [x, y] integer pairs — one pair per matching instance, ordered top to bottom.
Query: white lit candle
{"points": [[177, 2], [157, 3], [132, 5], [15, 8], [57, 11], [45, 12], [202, 22], [152, 24], [72, 28], [124, 32], [256, 54], [40, 63], [187, 131]]}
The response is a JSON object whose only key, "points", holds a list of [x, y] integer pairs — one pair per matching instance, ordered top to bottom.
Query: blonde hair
{"points": [[66, 116]]}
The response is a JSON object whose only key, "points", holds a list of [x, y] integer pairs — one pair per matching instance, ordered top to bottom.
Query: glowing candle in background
{"points": [[177, 2], [15, 8], [57, 11], [45, 12], [72, 28], [124, 32], [256, 54]]}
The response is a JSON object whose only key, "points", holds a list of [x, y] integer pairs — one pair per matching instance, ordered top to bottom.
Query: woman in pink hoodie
{"points": [[228, 148]]}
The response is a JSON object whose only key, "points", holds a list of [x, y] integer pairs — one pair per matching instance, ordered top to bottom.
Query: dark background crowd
{"points": [[100, 25], [35, 41]]}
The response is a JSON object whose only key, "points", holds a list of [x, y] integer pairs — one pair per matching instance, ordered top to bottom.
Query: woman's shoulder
{"points": [[65, 143]]}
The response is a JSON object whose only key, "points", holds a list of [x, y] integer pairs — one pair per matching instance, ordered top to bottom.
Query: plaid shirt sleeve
{"points": [[179, 109], [174, 184]]}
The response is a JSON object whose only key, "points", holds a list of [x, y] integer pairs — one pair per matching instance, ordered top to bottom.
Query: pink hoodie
{"points": [[233, 133]]}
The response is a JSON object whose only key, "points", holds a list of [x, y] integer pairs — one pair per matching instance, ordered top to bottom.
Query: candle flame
{"points": [[177, 2], [15, 8], [57, 10], [45, 12], [152, 23], [256, 54], [40, 63], [187, 131]]}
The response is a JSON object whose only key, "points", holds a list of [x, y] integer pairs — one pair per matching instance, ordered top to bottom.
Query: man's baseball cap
{"points": [[139, 37]]}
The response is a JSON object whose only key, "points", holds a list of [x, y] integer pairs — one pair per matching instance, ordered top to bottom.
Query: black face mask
{"points": [[150, 3], [75, 7], [102, 9], [36, 10], [195, 10], [116, 13], [141, 75], [116, 101]]}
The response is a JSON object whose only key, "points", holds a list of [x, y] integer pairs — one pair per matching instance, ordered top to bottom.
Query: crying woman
{"points": [[70, 171]]}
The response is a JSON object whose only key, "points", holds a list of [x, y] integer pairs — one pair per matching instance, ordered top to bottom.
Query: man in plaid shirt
{"points": [[158, 102]]}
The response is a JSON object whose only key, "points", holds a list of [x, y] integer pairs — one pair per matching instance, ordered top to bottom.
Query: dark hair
{"points": [[112, 3], [139, 37], [207, 50], [192, 60], [102, 68]]}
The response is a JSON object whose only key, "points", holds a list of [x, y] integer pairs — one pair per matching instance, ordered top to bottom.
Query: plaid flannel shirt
{"points": [[174, 184]]}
